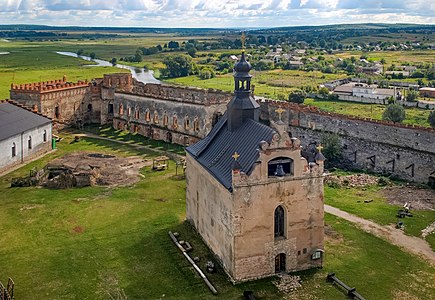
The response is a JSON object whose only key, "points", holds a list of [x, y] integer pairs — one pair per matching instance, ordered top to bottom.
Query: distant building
{"points": [[428, 92], [23, 134]]}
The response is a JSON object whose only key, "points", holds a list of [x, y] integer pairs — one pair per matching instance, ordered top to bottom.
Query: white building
{"points": [[365, 91], [23, 135]]}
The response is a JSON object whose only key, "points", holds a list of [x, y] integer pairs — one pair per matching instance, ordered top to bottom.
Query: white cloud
{"points": [[214, 13]]}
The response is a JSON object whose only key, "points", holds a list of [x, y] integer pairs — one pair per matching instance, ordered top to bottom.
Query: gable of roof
{"points": [[15, 120]]}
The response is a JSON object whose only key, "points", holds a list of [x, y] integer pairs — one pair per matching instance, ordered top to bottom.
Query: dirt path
{"points": [[395, 236]]}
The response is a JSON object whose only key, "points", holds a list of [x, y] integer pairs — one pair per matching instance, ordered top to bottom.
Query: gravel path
{"points": [[395, 236]]}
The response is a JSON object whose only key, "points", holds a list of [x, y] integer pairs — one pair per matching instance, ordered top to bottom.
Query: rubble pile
{"points": [[356, 180], [287, 283]]}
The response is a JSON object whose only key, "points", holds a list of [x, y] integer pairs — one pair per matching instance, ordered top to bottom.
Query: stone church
{"points": [[255, 200]]}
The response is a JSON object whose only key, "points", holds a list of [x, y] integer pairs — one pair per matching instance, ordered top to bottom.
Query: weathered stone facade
{"points": [[64, 102], [168, 113], [406, 152], [252, 196], [238, 226]]}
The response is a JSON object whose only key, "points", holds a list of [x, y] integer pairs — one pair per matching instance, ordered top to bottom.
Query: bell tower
{"points": [[243, 105]]}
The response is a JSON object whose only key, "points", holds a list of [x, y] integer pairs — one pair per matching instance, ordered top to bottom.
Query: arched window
{"points": [[89, 107], [121, 109], [57, 112], [147, 115], [156, 117], [174, 121], [186, 123], [196, 124], [44, 136], [29, 143], [14, 150], [280, 166], [279, 228]]}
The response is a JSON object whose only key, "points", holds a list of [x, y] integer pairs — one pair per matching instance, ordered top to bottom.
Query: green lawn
{"points": [[33, 64], [273, 84], [413, 116], [352, 200], [87, 243]]}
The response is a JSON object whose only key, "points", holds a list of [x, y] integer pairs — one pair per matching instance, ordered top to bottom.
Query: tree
{"points": [[173, 45], [80, 51], [191, 52], [92, 55], [113, 61], [178, 66], [206, 73], [324, 92], [412, 95], [297, 96], [394, 112], [431, 118], [332, 149]]}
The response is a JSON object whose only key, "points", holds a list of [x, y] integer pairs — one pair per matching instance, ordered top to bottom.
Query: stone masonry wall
{"points": [[407, 152]]}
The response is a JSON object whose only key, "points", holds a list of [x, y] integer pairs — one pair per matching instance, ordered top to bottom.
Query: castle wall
{"points": [[162, 119], [407, 152], [209, 208]]}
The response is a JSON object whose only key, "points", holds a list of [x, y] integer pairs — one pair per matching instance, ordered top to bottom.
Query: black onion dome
{"points": [[242, 66]]}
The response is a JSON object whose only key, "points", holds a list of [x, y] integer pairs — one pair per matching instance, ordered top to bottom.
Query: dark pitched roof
{"points": [[15, 120], [215, 151]]}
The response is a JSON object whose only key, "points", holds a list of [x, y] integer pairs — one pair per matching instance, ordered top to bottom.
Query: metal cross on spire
{"points": [[243, 41]]}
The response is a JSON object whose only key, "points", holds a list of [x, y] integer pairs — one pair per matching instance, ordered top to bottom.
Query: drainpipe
{"points": [[22, 150]]}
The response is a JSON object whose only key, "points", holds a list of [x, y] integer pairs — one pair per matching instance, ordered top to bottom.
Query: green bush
{"points": [[297, 96], [394, 113]]}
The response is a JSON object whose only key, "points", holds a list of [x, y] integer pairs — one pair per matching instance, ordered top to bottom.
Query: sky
{"points": [[214, 13]]}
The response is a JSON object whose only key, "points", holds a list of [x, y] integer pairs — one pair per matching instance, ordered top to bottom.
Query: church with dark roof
{"points": [[251, 195]]}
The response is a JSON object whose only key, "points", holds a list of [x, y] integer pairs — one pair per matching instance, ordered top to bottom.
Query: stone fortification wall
{"points": [[182, 94], [63, 101], [407, 152]]}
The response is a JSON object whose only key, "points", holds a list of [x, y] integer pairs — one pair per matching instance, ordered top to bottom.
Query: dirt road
{"points": [[395, 236]]}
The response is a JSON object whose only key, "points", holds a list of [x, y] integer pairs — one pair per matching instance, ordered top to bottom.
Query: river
{"points": [[140, 74]]}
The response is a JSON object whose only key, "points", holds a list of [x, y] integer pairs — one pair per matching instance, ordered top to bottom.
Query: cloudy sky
{"points": [[214, 13]]}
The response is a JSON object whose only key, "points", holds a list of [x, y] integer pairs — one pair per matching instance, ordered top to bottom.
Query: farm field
{"points": [[109, 242]]}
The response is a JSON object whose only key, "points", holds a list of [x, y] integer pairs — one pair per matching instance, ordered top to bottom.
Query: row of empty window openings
{"points": [[29, 143]]}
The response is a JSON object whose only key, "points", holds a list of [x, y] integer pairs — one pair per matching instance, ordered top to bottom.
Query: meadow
{"points": [[105, 242]]}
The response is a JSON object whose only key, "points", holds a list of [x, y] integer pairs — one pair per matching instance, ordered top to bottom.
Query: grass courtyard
{"points": [[105, 242]]}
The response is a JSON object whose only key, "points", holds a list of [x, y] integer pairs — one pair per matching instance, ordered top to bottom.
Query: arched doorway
{"points": [[280, 263]]}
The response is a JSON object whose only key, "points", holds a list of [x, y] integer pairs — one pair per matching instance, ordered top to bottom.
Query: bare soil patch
{"points": [[107, 170], [419, 198], [78, 229], [331, 235]]}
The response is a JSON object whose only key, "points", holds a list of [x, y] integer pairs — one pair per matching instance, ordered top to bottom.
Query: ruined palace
{"points": [[184, 115], [251, 195]]}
